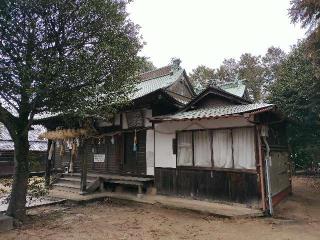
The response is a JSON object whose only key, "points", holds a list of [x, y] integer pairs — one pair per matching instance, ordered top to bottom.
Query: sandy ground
{"points": [[296, 218]]}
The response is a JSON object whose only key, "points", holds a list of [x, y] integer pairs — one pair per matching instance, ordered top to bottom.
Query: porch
{"points": [[71, 183], [205, 207]]}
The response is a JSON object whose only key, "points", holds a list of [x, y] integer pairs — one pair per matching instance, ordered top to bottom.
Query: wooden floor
{"points": [[117, 177], [121, 177], [214, 208]]}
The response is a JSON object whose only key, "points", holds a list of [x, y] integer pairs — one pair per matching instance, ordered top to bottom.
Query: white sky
{"points": [[208, 31]]}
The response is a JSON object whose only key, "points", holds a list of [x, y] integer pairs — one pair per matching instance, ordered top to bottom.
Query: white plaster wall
{"points": [[147, 116], [117, 120], [124, 121], [173, 126], [165, 132], [150, 151], [164, 156]]}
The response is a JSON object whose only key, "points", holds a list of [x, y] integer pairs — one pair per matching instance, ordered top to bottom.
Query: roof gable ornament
{"points": [[175, 64]]}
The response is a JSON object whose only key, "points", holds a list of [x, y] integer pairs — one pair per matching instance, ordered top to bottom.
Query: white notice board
{"points": [[99, 157]]}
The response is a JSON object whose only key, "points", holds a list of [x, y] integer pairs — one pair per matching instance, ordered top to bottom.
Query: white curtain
{"points": [[222, 148], [243, 148], [184, 149], [202, 149]]}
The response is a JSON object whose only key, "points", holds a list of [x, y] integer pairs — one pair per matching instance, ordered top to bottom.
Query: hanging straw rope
{"points": [[64, 134]]}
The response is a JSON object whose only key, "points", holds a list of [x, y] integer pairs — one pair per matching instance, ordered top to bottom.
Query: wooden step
{"points": [[73, 180], [126, 182], [66, 185]]}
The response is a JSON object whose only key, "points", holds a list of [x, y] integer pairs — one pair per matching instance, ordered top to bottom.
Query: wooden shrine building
{"points": [[216, 146]]}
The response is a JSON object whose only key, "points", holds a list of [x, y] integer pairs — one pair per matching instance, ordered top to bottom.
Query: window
{"points": [[202, 148], [222, 148], [227, 148], [243, 148], [185, 154]]}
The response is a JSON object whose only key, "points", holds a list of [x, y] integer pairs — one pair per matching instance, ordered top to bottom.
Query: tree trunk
{"points": [[17, 204]]}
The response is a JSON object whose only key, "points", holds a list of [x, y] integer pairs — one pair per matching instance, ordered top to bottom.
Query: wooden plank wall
{"points": [[113, 155], [135, 161], [7, 162], [60, 162], [112, 163], [98, 167], [208, 184]]}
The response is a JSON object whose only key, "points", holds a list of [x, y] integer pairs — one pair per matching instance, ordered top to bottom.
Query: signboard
{"points": [[135, 119], [99, 157]]}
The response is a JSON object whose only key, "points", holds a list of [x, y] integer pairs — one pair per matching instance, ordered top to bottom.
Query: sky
{"points": [[208, 31]]}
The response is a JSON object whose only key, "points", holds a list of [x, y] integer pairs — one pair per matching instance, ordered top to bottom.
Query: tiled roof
{"points": [[160, 72], [154, 84], [236, 88], [181, 99], [215, 112], [6, 144]]}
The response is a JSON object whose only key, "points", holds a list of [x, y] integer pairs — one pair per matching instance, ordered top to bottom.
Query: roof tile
{"points": [[160, 72], [151, 85], [214, 112], [6, 143]]}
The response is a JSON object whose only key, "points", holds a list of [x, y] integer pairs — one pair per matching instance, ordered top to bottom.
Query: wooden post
{"points": [[48, 163], [84, 168]]}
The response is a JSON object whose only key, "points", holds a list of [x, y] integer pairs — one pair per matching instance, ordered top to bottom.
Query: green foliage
{"points": [[307, 12], [67, 56], [75, 57], [271, 63], [146, 65], [251, 70], [228, 71], [256, 71], [201, 77], [297, 93], [35, 162], [5, 184], [36, 187]]}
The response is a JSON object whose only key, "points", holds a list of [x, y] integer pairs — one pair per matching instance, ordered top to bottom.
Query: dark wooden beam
{"points": [[48, 164], [84, 167]]}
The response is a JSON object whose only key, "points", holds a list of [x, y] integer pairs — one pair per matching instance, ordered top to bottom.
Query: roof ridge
{"points": [[155, 69], [162, 71], [263, 104], [217, 112]]}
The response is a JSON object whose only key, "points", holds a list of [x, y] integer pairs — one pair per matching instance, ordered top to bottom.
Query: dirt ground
{"points": [[296, 218]]}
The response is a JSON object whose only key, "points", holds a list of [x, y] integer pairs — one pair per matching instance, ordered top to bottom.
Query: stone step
{"points": [[77, 176], [73, 180], [67, 185], [66, 190]]}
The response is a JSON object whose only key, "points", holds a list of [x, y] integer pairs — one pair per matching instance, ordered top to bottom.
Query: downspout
{"points": [[267, 163]]}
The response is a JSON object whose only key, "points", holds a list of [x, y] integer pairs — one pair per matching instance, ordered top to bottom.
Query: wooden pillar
{"points": [[49, 162], [84, 168], [261, 169]]}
